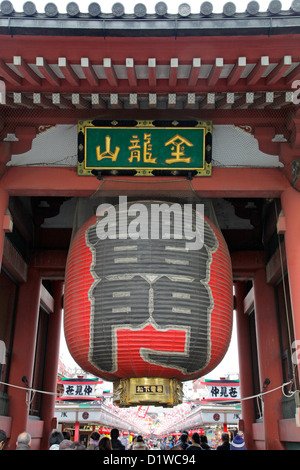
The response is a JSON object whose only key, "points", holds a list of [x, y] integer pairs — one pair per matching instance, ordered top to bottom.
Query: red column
{"points": [[5, 152], [4, 198], [290, 200], [243, 341], [52, 356], [269, 358], [22, 361], [76, 431]]}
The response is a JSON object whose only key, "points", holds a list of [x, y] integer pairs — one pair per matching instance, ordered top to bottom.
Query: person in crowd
{"points": [[67, 435], [3, 439], [55, 439], [24, 441], [94, 441], [183, 441], [115, 442], [124, 442], [132, 442], [203, 442], [225, 442], [105, 443], [172, 443], [238, 443], [66, 444], [139, 444], [163, 445], [195, 445], [78, 446]]}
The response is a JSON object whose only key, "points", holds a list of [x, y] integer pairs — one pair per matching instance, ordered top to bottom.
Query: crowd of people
{"points": [[62, 441], [200, 442]]}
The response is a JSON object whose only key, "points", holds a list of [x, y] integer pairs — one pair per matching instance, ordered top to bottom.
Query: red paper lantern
{"points": [[147, 307]]}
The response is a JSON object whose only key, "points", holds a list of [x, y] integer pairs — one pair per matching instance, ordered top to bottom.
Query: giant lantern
{"points": [[148, 312]]}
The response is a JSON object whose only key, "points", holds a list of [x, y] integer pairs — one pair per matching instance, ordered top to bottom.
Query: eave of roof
{"points": [[141, 24]]}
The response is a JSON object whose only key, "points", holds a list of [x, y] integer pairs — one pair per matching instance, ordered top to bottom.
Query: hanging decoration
{"points": [[146, 311]]}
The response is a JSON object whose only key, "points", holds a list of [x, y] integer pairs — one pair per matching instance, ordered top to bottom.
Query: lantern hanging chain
{"points": [[285, 298]]}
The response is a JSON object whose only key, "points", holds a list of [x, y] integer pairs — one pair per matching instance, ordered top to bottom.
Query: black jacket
{"points": [[117, 444], [224, 446]]}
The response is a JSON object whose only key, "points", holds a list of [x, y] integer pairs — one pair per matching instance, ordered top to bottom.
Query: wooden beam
{"points": [[258, 70], [26, 71], [215, 71], [237, 71], [47, 72], [68, 72], [89, 72], [109, 72], [131, 72], [152, 72], [173, 72], [278, 72], [194, 73], [8, 74], [292, 76], [19, 98], [284, 99], [40, 100], [59, 100], [133, 100], [152, 100], [171, 100], [246, 100], [97, 101], [114, 101], [190, 101], [263, 101], [79, 102], [208, 102], [226, 102], [225, 182], [14, 262], [50, 263], [246, 263], [46, 300]]}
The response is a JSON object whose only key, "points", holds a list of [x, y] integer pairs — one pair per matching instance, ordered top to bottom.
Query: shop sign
{"points": [[144, 148], [80, 390], [222, 392], [66, 416], [71, 416], [221, 417]]}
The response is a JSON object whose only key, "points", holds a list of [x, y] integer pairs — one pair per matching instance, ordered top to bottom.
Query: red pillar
{"points": [[5, 152], [4, 198], [290, 200], [242, 325], [52, 357], [269, 358], [22, 361], [76, 431]]}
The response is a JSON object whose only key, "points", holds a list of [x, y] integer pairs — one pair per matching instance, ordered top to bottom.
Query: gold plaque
{"points": [[156, 391]]}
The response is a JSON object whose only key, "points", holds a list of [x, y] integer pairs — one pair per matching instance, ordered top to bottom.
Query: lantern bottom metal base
{"points": [[156, 391]]}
